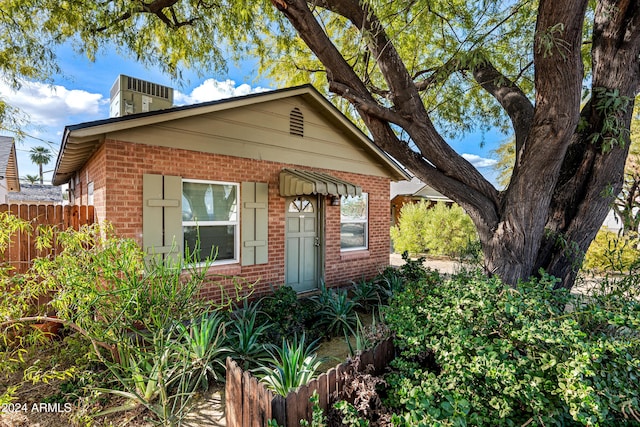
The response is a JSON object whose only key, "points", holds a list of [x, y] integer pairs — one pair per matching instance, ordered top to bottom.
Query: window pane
{"points": [[208, 202], [301, 204], [353, 208], [352, 236], [220, 238]]}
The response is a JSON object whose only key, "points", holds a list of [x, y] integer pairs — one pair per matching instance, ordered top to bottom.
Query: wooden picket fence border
{"points": [[21, 250], [249, 403]]}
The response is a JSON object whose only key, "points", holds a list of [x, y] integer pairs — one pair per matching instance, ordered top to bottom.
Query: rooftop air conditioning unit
{"points": [[130, 96]]}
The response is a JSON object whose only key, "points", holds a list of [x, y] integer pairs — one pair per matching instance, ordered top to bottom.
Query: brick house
{"points": [[280, 185]]}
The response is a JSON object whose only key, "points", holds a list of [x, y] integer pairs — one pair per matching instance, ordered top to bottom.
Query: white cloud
{"points": [[212, 90], [52, 105], [479, 162]]}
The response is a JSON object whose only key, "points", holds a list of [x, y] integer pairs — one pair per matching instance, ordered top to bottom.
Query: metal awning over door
{"points": [[294, 182]]}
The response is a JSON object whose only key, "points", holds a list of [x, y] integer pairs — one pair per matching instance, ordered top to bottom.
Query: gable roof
{"points": [[80, 141], [9, 163], [416, 188]]}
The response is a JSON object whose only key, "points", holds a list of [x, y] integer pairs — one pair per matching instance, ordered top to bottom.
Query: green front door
{"points": [[302, 243]]}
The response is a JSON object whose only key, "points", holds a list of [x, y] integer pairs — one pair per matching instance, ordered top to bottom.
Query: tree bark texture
{"points": [[569, 159]]}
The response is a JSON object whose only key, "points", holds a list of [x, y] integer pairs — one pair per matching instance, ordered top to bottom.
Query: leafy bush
{"points": [[438, 230], [409, 234], [610, 252], [285, 314], [144, 321], [476, 352]]}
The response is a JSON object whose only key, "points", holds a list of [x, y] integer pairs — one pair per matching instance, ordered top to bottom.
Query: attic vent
{"points": [[147, 88], [296, 122]]}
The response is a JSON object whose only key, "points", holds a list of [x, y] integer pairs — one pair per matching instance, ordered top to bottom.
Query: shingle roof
{"points": [[37, 193]]}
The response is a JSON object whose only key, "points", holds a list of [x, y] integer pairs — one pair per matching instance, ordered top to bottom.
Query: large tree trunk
{"points": [[569, 162]]}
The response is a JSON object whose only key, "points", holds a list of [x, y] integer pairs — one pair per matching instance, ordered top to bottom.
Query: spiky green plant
{"points": [[365, 293], [336, 311], [244, 337], [205, 340], [294, 364]]}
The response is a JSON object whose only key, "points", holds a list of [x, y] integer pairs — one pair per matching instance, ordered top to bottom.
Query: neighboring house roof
{"points": [[80, 141], [9, 164], [405, 188], [416, 188], [37, 193], [431, 194]]}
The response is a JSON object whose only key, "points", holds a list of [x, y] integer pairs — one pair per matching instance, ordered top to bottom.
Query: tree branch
{"points": [[157, 8], [403, 94], [512, 99], [370, 108], [81, 331]]}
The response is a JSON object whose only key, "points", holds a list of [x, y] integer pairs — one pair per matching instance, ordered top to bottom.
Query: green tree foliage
{"points": [[506, 154], [40, 156], [31, 179], [438, 230]]}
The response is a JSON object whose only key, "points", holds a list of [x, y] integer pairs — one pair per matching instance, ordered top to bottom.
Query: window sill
{"points": [[356, 254], [227, 269]]}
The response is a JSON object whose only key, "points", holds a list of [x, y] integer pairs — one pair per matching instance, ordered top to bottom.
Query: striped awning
{"points": [[294, 182]]}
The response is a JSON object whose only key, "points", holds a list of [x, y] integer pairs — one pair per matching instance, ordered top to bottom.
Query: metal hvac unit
{"points": [[130, 95]]}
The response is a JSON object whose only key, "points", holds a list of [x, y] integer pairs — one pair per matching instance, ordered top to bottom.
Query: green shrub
{"points": [[439, 230], [409, 234], [610, 252], [133, 313], [285, 314], [476, 352]]}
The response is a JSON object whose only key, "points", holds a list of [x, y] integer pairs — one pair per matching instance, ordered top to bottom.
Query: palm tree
{"points": [[40, 156], [31, 179]]}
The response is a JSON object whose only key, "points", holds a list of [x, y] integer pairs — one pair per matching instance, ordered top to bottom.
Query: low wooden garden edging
{"points": [[250, 404]]}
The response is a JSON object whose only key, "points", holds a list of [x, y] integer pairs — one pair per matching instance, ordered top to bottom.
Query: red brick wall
{"points": [[117, 169]]}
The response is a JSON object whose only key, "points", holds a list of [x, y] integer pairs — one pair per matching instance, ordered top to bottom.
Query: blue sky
{"points": [[83, 95]]}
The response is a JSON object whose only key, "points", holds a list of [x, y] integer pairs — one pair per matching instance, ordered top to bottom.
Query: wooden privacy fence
{"points": [[21, 250], [250, 404]]}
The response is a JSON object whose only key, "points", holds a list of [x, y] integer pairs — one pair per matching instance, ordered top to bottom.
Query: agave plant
{"points": [[390, 283], [365, 293], [336, 311], [244, 337], [205, 341], [294, 364], [145, 375], [161, 377]]}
